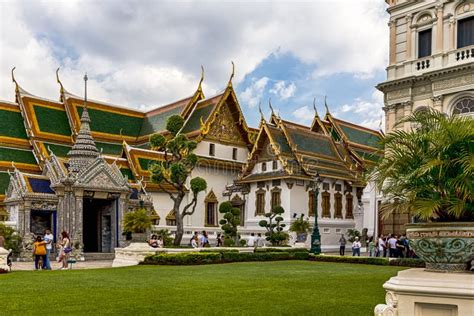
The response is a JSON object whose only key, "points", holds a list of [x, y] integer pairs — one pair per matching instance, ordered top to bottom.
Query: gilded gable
{"points": [[225, 129]]}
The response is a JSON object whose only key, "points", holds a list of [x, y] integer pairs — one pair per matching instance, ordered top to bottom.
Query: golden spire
{"points": [[232, 74], [202, 78], [59, 81], [17, 88], [270, 105], [326, 105], [314, 107], [262, 117]]}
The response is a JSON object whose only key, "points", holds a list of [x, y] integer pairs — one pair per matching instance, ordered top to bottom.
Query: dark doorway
{"points": [[97, 225]]}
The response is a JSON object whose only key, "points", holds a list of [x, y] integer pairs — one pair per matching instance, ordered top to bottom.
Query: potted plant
{"points": [[428, 172], [137, 222], [301, 227]]}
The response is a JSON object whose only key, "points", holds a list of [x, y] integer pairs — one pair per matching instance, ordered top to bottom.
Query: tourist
{"points": [[48, 238], [204, 239], [251, 240], [260, 240], [220, 241], [153, 242], [160, 242], [194, 242], [342, 245], [356, 245], [380, 246], [392, 246], [371, 247], [400, 247], [39, 251], [65, 252]]}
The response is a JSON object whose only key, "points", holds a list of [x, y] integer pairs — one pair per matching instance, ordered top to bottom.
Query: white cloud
{"points": [[148, 53], [282, 90], [252, 95], [369, 111], [303, 114]]}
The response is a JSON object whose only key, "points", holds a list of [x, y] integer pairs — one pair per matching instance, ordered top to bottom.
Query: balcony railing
{"points": [[464, 53], [423, 64]]}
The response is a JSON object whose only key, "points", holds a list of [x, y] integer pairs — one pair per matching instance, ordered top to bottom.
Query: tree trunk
{"points": [[179, 222]]}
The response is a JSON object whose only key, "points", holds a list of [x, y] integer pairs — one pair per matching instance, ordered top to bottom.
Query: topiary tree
{"points": [[175, 169], [230, 222], [274, 226], [352, 234]]}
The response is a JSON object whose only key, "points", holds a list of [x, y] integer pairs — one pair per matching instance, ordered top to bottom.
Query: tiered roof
{"points": [[331, 147]]}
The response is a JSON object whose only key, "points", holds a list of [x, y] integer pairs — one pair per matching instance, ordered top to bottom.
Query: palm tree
{"points": [[428, 171]]}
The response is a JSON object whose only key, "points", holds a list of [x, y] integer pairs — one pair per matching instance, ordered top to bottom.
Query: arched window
{"points": [[464, 106]]}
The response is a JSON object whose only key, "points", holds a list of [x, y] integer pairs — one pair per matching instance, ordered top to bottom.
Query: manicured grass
{"points": [[261, 288]]}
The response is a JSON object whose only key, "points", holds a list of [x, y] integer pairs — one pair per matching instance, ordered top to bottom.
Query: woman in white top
{"points": [[356, 247], [65, 251]]}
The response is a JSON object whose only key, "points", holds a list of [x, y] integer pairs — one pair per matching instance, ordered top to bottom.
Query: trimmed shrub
{"points": [[219, 250], [281, 250], [190, 258], [362, 260], [408, 262]]}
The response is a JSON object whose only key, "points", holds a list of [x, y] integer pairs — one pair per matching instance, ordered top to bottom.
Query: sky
{"points": [[145, 54]]}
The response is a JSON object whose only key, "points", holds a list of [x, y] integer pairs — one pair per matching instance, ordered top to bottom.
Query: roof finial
{"points": [[232, 74], [13, 76], [202, 76], [59, 81], [85, 90], [270, 105], [326, 105], [314, 107], [262, 117], [380, 124]]}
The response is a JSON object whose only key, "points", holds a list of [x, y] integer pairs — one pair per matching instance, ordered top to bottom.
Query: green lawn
{"points": [[263, 288]]}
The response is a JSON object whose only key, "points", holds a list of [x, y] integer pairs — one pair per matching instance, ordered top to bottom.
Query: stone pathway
{"points": [[80, 265]]}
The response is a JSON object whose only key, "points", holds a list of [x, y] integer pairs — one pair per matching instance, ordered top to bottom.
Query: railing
{"points": [[464, 53], [423, 64]]}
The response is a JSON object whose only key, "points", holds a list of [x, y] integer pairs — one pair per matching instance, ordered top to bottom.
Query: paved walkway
{"points": [[26, 266]]}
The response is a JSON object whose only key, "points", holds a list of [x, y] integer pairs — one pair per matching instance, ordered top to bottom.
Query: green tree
{"points": [[429, 170], [172, 173], [137, 221], [230, 221], [274, 226], [12, 239]]}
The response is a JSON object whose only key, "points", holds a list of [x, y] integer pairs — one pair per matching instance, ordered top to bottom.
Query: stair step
{"points": [[95, 256]]}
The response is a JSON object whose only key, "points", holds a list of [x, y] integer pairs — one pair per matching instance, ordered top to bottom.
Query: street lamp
{"points": [[316, 236]]}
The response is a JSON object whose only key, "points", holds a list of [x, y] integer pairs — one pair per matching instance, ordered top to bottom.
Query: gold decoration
{"points": [[224, 128]]}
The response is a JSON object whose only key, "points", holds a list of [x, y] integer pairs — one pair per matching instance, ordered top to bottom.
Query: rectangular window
{"points": [[466, 32], [424, 43], [212, 150], [234, 153], [274, 165], [264, 166], [276, 182], [326, 186], [338, 187], [275, 199], [260, 203], [311, 203], [326, 203], [338, 205], [349, 206], [211, 218], [326, 230], [338, 231]]}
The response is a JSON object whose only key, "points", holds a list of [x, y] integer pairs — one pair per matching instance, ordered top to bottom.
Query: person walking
{"points": [[48, 238], [204, 239], [219, 240], [251, 240], [194, 242], [260, 242], [342, 245], [356, 245], [380, 246], [392, 246], [371, 247], [39, 251], [65, 251]]}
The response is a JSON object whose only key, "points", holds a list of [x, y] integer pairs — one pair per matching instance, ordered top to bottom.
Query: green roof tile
{"points": [[52, 121], [194, 121], [113, 123], [157, 123], [12, 124], [361, 137], [280, 139], [307, 142], [109, 148], [58, 150], [17, 155], [369, 156], [127, 173], [4, 181]]}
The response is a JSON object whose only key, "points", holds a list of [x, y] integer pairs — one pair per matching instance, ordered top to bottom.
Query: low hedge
{"points": [[214, 250], [281, 250], [188, 258], [195, 258], [362, 260], [407, 262]]}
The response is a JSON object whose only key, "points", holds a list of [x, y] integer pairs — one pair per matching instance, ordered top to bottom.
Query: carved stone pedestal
{"points": [[133, 254], [417, 292]]}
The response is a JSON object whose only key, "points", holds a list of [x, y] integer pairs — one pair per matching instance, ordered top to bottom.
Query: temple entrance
{"points": [[97, 225]]}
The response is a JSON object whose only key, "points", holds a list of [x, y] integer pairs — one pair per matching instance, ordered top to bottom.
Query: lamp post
{"points": [[316, 236]]}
